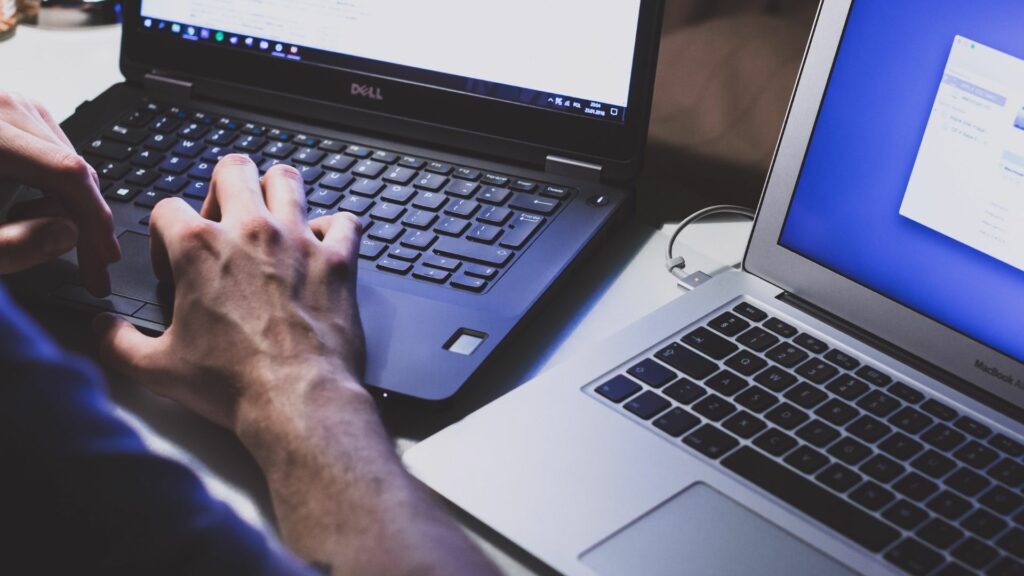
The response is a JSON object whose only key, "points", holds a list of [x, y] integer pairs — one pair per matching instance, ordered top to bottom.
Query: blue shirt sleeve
{"points": [[82, 494]]}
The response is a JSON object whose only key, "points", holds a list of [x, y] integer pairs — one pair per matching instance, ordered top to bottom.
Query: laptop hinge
{"points": [[172, 89], [573, 168]]}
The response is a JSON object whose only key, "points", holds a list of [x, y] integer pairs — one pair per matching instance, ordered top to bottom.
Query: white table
{"points": [[61, 69]]}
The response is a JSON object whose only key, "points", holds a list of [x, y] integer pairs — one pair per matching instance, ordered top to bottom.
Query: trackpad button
{"points": [[133, 275], [700, 531]]}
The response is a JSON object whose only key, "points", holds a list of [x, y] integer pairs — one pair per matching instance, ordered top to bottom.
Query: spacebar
{"points": [[811, 499]]}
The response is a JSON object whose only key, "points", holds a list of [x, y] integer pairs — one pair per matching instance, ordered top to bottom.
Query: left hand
{"points": [[35, 152]]}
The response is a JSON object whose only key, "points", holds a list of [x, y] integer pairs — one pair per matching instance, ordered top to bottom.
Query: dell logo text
{"points": [[364, 91]]}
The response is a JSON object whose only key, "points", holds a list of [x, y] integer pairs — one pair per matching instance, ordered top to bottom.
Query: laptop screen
{"points": [[570, 56], [913, 183]]}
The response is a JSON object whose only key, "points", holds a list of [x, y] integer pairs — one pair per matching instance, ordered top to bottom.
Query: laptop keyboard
{"points": [[428, 220], [895, 471]]}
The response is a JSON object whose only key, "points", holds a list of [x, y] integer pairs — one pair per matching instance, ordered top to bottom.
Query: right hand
{"points": [[265, 318]]}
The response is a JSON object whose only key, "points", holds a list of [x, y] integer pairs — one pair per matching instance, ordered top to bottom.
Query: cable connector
{"points": [[676, 265]]}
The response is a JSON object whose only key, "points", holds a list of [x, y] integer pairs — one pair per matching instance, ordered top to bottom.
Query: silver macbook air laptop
{"points": [[851, 401]]}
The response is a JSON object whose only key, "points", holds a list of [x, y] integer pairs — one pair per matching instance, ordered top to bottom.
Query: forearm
{"points": [[341, 495]]}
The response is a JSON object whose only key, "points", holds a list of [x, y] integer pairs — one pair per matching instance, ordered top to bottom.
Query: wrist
{"points": [[292, 417]]}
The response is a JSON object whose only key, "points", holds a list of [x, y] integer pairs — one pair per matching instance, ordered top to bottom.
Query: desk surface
{"points": [[61, 69]]}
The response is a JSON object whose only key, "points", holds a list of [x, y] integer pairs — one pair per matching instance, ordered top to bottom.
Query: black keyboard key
{"points": [[127, 134], [109, 150], [279, 150], [358, 151], [385, 157], [146, 159], [412, 162], [339, 163], [175, 165], [439, 168], [372, 169], [113, 170], [310, 174], [467, 174], [495, 180], [337, 181], [431, 182], [171, 184], [523, 186], [366, 187], [458, 188], [557, 192], [121, 193], [493, 195], [150, 198], [322, 198], [534, 204], [357, 205], [388, 212], [495, 215], [421, 219], [451, 226], [520, 230], [386, 232], [484, 234], [419, 240], [371, 249], [473, 252], [404, 254], [441, 263], [394, 266], [479, 271], [462, 281], [750, 312], [729, 324], [780, 328], [757, 339], [710, 343], [810, 343], [786, 355], [841, 359], [687, 361], [746, 363], [817, 371], [652, 373], [873, 376], [775, 379], [726, 383], [847, 387], [618, 389], [685, 392], [906, 393], [805, 396], [756, 399], [879, 403], [647, 405], [714, 408], [939, 410], [837, 412], [787, 416], [910, 420], [676, 422], [744, 424], [973, 427], [869, 429], [817, 433], [943, 437], [711, 441], [775, 442], [1006, 445], [900, 446], [849, 451], [976, 455], [807, 460], [933, 464], [882, 468], [1008, 472], [839, 477], [968, 482], [915, 487], [872, 496], [1001, 500], [818, 503], [948, 505], [905, 514], [983, 524], [940, 533], [1013, 542], [975, 553], [914, 558], [1006, 566]]}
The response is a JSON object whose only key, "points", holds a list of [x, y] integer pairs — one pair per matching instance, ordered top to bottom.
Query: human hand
{"points": [[35, 152], [265, 314]]}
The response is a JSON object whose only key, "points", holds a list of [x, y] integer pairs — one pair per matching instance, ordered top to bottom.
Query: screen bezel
{"points": [[552, 130], [941, 346]]}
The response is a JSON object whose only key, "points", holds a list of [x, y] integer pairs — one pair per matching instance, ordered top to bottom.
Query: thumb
{"points": [[30, 243], [123, 348]]}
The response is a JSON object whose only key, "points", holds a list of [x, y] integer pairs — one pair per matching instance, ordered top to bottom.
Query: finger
{"points": [[21, 113], [52, 123], [60, 173], [235, 191], [285, 194], [38, 208], [170, 222], [341, 234], [29, 243], [124, 349]]}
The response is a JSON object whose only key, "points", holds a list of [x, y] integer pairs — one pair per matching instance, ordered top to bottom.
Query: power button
{"points": [[599, 200]]}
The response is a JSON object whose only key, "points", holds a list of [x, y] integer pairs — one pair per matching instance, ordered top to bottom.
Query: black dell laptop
{"points": [[486, 146]]}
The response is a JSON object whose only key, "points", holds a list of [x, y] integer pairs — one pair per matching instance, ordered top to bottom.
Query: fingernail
{"points": [[59, 237]]}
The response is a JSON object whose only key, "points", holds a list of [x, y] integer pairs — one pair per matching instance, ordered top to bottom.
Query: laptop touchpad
{"points": [[133, 276], [700, 531]]}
